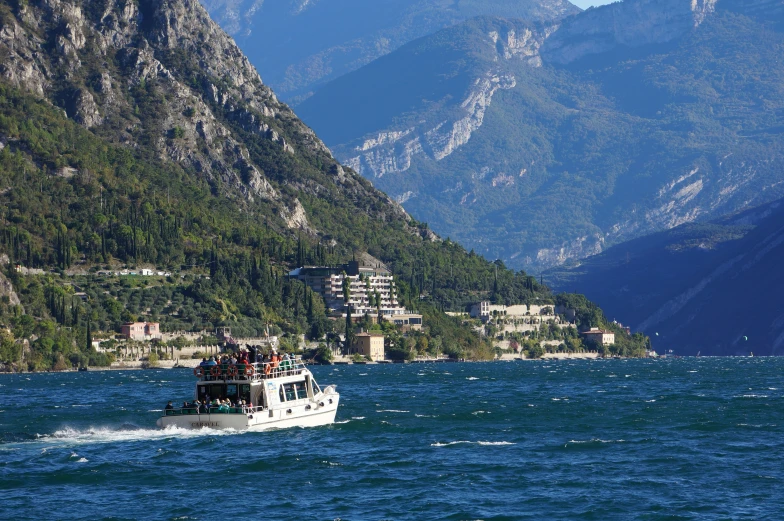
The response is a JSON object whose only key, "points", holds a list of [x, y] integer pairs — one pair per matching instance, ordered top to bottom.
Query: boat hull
{"points": [[277, 418]]}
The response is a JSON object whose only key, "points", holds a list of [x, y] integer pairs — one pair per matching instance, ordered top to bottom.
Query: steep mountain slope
{"points": [[299, 44], [135, 134], [539, 143], [713, 287]]}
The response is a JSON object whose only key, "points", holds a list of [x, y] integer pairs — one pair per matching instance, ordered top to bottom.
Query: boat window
{"points": [[316, 388], [302, 390], [212, 391], [231, 392], [280, 392], [245, 393], [291, 394]]}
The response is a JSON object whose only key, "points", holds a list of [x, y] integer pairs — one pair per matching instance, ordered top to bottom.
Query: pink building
{"points": [[141, 330]]}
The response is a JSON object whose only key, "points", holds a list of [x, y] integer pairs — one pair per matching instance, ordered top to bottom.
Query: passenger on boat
{"points": [[203, 362], [168, 407]]}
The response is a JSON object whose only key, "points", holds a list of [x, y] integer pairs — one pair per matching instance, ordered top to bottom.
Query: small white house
{"points": [[147, 273]]}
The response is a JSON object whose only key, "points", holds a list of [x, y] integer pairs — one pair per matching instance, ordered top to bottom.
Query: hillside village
{"points": [[367, 322]]}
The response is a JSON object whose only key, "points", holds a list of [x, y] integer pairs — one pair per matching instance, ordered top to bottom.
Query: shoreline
{"points": [[190, 364]]}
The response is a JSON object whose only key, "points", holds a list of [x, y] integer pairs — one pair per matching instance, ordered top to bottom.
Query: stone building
{"points": [[141, 330], [599, 336], [370, 345]]}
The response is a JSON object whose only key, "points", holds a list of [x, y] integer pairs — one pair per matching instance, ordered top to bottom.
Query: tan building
{"points": [[406, 321], [141, 330], [599, 336], [370, 345]]}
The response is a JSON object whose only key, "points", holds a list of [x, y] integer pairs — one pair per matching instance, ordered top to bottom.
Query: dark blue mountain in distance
{"points": [[300, 44], [714, 288]]}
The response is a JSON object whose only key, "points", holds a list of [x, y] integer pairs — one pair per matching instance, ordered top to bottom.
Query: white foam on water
{"points": [[363, 374], [472, 378], [752, 396], [649, 401], [155, 410], [390, 410], [480, 412], [425, 415], [357, 417], [342, 422], [70, 436], [596, 440], [460, 442], [82, 460]]}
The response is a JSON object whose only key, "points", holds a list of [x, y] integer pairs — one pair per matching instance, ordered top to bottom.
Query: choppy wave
{"points": [[391, 410], [595, 440], [461, 442]]}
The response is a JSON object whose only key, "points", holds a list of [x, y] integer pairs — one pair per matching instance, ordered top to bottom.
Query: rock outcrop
{"points": [[167, 48], [7, 290]]}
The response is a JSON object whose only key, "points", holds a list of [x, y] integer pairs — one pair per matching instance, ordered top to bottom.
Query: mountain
{"points": [[300, 44], [136, 135], [542, 142], [714, 287]]}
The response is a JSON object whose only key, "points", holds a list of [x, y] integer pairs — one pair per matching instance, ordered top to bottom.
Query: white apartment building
{"points": [[365, 285]]}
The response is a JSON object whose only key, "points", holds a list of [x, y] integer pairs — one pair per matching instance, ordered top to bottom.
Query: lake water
{"points": [[699, 438]]}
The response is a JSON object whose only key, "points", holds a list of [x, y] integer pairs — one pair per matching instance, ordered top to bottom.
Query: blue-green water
{"points": [[699, 438]]}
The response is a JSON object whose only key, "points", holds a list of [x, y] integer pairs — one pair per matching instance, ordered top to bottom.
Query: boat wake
{"points": [[92, 435]]}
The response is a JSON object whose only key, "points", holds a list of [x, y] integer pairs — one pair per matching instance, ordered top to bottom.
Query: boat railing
{"points": [[250, 372], [194, 410]]}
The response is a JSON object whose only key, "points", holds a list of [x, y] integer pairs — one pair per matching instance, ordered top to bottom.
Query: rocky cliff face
{"points": [[162, 74], [440, 135], [391, 152]]}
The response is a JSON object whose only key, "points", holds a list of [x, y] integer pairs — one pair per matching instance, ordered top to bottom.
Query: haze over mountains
{"points": [[300, 44], [543, 142], [709, 287]]}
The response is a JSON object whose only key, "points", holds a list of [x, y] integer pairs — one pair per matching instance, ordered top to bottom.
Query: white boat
{"points": [[277, 396]]}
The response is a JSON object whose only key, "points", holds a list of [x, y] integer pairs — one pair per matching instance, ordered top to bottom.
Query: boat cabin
{"points": [[260, 393]]}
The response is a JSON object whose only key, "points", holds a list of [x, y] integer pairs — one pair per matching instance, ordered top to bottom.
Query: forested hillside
{"points": [[538, 143], [120, 149]]}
